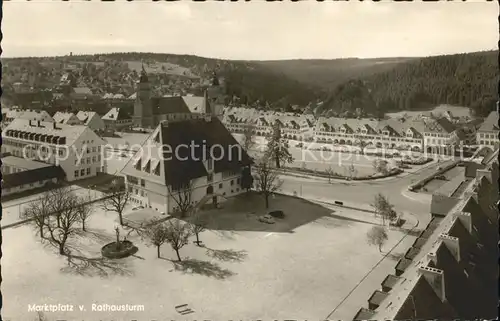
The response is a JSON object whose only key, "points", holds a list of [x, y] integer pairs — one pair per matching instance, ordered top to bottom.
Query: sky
{"points": [[250, 30]]}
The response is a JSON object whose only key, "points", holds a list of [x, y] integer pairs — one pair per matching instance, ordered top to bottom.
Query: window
{"points": [[98, 148], [98, 158], [93, 159], [88, 160], [88, 171], [82, 172], [76, 173], [238, 181], [232, 182], [143, 183], [220, 185], [142, 193]]}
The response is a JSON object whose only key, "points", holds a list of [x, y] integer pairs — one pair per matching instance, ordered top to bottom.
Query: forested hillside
{"points": [[329, 73], [462, 79]]}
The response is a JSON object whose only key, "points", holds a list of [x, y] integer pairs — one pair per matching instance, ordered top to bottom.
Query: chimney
{"points": [[39, 124], [54, 125], [466, 220], [452, 243], [435, 277]]}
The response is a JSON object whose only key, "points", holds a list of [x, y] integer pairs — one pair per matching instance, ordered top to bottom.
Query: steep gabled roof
{"points": [[169, 105], [116, 114], [490, 123], [181, 164]]}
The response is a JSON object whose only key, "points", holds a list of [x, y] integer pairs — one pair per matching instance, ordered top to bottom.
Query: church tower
{"points": [[215, 95], [143, 110]]}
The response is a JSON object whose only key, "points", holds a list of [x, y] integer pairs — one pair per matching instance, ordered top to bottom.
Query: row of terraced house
{"points": [[431, 135], [451, 270]]}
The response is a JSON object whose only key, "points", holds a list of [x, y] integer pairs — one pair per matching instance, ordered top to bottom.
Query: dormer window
{"points": [[385, 132], [138, 164], [147, 167], [156, 168]]}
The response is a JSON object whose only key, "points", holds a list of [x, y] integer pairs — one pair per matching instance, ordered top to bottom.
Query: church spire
{"points": [[144, 76]]}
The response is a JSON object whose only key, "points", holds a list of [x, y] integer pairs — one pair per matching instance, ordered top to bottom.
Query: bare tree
{"points": [[248, 141], [362, 145], [381, 166], [351, 171], [329, 172], [267, 180], [182, 195], [116, 201], [59, 202], [384, 208], [84, 210], [38, 212], [65, 221], [198, 225], [157, 234], [178, 234], [377, 235]]}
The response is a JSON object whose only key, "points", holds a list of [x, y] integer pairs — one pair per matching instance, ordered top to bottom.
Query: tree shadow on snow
{"points": [[227, 255], [99, 266], [205, 268]]}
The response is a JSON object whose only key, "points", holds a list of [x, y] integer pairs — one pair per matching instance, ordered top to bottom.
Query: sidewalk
{"points": [[360, 212]]}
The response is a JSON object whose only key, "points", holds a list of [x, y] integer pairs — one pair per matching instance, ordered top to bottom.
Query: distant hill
{"points": [[329, 73], [419, 84]]}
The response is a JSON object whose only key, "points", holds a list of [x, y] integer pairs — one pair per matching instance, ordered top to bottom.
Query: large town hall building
{"points": [[150, 111]]}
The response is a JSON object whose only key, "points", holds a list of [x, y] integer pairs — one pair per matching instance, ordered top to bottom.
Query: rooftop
{"points": [[490, 123], [23, 163], [32, 176]]}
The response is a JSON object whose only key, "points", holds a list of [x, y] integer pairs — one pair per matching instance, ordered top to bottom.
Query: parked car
{"points": [[441, 178], [137, 208], [277, 214], [266, 219]]}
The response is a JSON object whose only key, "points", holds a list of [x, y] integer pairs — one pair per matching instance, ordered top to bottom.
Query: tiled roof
{"points": [[195, 104], [116, 114], [86, 116], [62, 117], [490, 123], [70, 133], [24, 163], [31, 176], [441, 204], [390, 281], [377, 297]]}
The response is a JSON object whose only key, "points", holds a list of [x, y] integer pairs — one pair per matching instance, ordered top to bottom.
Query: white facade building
{"points": [[77, 149], [155, 177]]}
